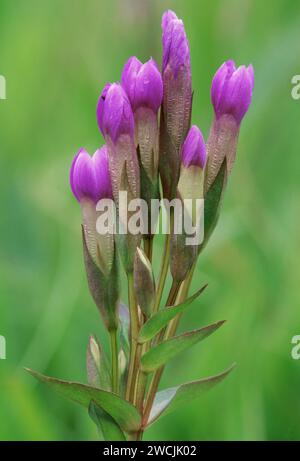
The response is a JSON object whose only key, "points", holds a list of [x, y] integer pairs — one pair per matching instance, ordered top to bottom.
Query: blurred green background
{"points": [[56, 57]]}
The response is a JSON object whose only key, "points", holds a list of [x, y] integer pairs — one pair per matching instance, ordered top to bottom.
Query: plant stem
{"points": [[148, 246], [165, 265], [181, 293], [134, 327], [114, 361], [157, 375]]}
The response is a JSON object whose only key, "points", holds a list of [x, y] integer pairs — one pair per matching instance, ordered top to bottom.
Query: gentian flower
{"points": [[143, 84], [144, 87], [231, 90], [231, 95], [177, 99], [114, 113], [116, 122], [194, 149], [90, 176], [90, 182], [190, 191]]}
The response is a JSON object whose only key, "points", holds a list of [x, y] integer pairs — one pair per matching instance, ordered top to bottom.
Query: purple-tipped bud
{"points": [[176, 52], [143, 84], [231, 90], [177, 101], [114, 113], [194, 149], [90, 177]]}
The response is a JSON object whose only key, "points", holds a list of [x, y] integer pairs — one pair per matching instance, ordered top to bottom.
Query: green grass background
{"points": [[56, 56]]}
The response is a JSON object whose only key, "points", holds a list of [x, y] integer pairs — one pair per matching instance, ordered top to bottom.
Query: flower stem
{"points": [[148, 247], [165, 265], [178, 293], [134, 327], [114, 361], [157, 375]]}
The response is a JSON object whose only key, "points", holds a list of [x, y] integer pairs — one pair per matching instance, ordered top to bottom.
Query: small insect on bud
{"points": [[231, 95], [116, 122], [144, 283]]}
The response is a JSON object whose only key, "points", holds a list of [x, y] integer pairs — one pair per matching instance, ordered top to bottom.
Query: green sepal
{"points": [[149, 192], [212, 203], [104, 290], [124, 319], [159, 320], [124, 345], [160, 354], [97, 364], [170, 399], [126, 415], [108, 428]]}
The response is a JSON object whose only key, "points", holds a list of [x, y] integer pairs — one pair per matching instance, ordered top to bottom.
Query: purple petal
{"points": [[176, 50], [129, 76], [221, 77], [143, 84], [231, 91], [100, 106], [114, 113], [194, 149], [101, 166], [89, 176], [82, 178]]}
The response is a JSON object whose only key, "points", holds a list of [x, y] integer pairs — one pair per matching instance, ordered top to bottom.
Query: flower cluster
{"points": [[151, 152]]}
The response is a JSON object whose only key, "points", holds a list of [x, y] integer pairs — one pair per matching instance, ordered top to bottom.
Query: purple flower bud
{"points": [[176, 52], [143, 84], [231, 90], [177, 101], [100, 106], [114, 113], [194, 149], [90, 177]]}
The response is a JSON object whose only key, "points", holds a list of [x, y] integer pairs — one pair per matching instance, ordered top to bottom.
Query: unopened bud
{"points": [[144, 283], [97, 365]]}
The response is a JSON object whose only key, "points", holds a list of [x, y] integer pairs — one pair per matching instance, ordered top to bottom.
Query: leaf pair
{"points": [[114, 416]]}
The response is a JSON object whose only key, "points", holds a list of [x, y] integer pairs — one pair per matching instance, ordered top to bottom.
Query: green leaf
{"points": [[212, 203], [164, 316], [124, 319], [160, 354], [97, 364], [170, 399], [122, 411], [107, 426]]}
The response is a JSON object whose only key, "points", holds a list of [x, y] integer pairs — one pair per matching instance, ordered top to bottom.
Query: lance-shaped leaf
{"points": [[212, 203], [124, 320], [159, 320], [160, 354], [97, 364], [170, 399], [122, 411], [108, 428]]}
